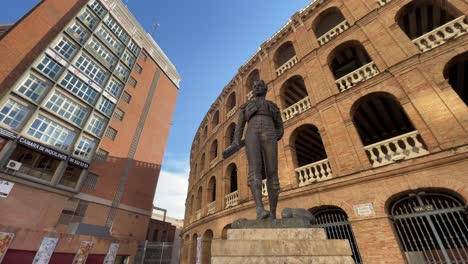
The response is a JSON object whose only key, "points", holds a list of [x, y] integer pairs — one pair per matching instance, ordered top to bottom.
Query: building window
{"points": [[98, 8], [88, 19], [117, 29], [78, 32], [110, 40], [65, 47], [134, 47], [101, 51], [143, 56], [128, 58], [49, 67], [138, 68], [91, 69], [122, 72], [132, 82], [33, 87], [114, 87], [79, 88], [126, 97], [59, 104], [105, 106], [13, 113], [119, 114], [96, 125], [51, 133], [111, 133], [84, 148], [101, 154], [35, 164], [71, 176], [90, 181], [73, 212]]}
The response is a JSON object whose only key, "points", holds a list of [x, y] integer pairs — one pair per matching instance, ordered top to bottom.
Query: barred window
{"points": [[98, 8], [88, 19], [117, 29], [78, 32], [110, 40], [65, 47], [134, 47], [104, 53], [143, 56], [128, 58], [49, 67], [138, 68], [91, 69], [122, 72], [132, 82], [33, 87], [114, 87], [79, 88], [126, 97], [105, 106], [66, 108], [13, 113], [119, 114], [96, 125], [51, 133], [111, 133], [84, 148], [101, 154], [90, 181], [73, 212]]}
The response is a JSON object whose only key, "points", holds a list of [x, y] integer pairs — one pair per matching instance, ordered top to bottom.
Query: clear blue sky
{"points": [[207, 41]]}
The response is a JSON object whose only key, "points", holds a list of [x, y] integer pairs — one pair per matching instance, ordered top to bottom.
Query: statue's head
{"points": [[259, 88]]}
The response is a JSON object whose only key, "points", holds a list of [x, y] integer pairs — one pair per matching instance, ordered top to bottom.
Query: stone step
{"points": [[278, 233], [255, 248], [282, 260]]}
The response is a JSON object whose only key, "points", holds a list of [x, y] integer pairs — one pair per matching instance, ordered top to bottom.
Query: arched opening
{"points": [[431, 23], [329, 24], [285, 57], [351, 65], [456, 72], [253, 76], [294, 97], [231, 102], [215, 120], [385, 130], [205, 132], [229, 136], [214, 150], [311, 159], [202, 163], [194, 174], [211, 191], [232, 198], [198, 203], [335, 222], [432, 227], [224, 233], [206, 246], [193, 249]]}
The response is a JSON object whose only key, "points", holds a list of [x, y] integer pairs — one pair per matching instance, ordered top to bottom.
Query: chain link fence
{"points": [[157, 253]]}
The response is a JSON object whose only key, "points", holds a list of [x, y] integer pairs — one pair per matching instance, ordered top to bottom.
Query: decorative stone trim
{"points": [[332, 33], [286, 66], [351, 79], [297, 108], [314, 172], [232, 199]]}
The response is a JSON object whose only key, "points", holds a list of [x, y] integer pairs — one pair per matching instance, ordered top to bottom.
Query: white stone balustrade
{"points": [[383, 2], [338, 29], [442, 34], [287, 65], [351, 79], [249, 95], [297, 108], [231, 112], [215, 129], [406, 146], [213, 162], [314, 172], [264, 188], [232, 199], [211, 208], [198, 214]]}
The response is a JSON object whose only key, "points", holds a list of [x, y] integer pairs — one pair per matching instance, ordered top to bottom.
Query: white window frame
{"points": [[98, 8], [86, 16], [117, 29], [78, 32], [110, 39], [65, 47], [134, 47], [102, 51], [128, 58], [91, 69], [55, 70], [122, 71], [35, 81], [114, 87], [79, 88], [105, 106], [66, 108], [16, 109], [91, 125], [55, 134], [86, 149]]}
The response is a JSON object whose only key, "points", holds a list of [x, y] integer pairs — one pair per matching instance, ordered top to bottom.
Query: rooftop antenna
{"points": [[155, 26]]}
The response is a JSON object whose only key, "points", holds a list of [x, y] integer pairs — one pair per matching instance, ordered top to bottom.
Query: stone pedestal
{"points": [[279, 246]]}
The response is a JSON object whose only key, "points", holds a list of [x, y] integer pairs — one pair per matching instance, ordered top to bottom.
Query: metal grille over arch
{"points": [[335, 222], [432, 227]]}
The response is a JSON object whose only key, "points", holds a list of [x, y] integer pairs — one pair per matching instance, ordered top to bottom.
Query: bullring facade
{"points": [[374, 98]]}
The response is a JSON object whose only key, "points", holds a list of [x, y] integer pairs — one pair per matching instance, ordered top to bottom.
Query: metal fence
{"points": [[155, 253]]}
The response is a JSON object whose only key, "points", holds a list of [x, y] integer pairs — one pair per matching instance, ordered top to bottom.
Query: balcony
{"points": [[332, 33], [442, 34], [286, 66], [351, 79], [250, 95], [297, 108], [231, 112], [402, 147], [314, 172], [264, 188], [232, 199], [211, 208], [197, 214]]}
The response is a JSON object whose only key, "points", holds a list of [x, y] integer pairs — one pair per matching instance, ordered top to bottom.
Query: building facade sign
{"points": [[7, 133], [41, 148], [78, 163], [5, 188], [366, 209], [5, 241], [45, 251], [83, 252], [112, 253]]}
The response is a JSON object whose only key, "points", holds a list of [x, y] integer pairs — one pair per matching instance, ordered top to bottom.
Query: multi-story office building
{"points": [[87, 98], [374, 99]]}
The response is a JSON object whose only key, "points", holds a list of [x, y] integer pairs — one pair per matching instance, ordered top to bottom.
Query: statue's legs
{"points": [[270, 155], [254, 157]]}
